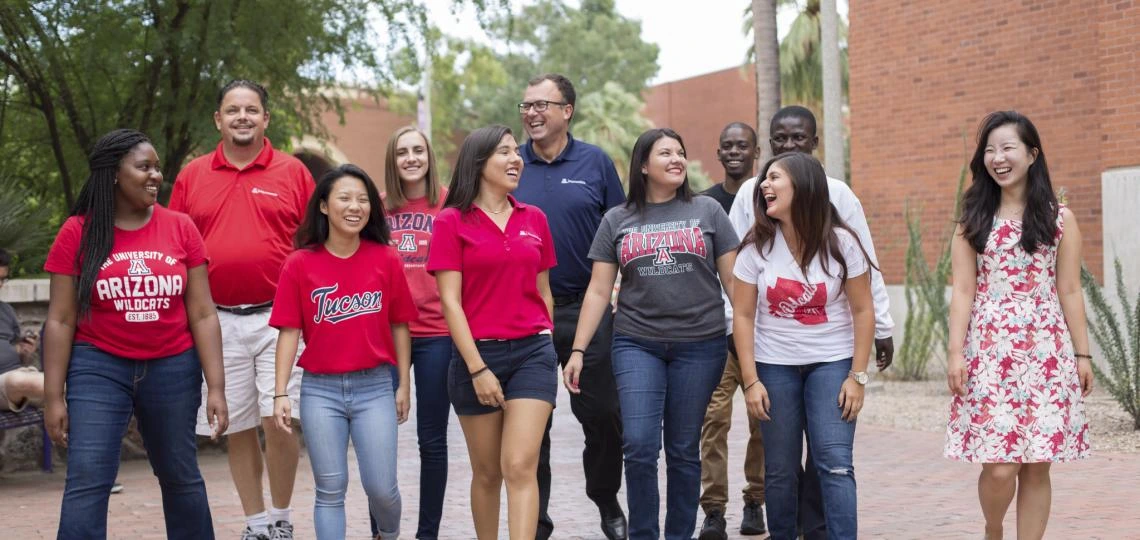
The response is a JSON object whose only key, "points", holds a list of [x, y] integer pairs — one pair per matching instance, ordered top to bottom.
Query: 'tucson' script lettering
{"points": [[339, 308]]}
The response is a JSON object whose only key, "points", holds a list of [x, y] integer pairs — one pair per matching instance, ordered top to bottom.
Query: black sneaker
{"points": [[753, 521], [714, 527]]}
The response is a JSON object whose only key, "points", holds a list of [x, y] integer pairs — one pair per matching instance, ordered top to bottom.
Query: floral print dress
{"points": [[1023, 397]]}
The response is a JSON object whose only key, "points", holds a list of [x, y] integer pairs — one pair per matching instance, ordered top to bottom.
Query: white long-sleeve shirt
{"points": [[850, 210]]}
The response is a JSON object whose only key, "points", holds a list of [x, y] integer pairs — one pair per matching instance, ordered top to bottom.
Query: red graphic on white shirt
{"points": [[804, 302]]}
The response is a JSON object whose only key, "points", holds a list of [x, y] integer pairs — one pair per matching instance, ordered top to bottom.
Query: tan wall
{"points": [[923, 74], [698, 108], [363, 137]]}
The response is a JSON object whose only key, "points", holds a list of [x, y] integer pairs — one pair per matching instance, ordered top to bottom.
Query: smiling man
{"points": [[574, 183], [247, 199]]}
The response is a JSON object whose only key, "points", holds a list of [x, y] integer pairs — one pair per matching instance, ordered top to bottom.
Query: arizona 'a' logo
{"points": [[407, 242], [664, 256], [138, 268]]}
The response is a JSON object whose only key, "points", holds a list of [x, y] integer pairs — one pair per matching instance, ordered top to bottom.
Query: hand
{"points": [[26, 345], [884, 352], [571, 372], [956, 374], [1085, 374], [488, 390], [756, 399], [851, 399], [403, 403], [217, 412], [283, 414], [55, 420]]}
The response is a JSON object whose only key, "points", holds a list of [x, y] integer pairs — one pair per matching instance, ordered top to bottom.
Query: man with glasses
{"points": [[574, 183]]}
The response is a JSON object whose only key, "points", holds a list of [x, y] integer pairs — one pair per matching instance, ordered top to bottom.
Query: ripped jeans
{"points": [[805, 398]]}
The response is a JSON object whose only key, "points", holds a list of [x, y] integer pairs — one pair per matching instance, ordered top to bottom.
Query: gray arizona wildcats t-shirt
{"points": [[667, 257]]}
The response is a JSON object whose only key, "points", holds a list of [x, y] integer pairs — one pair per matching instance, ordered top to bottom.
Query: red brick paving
{"points": [[906, 490]]}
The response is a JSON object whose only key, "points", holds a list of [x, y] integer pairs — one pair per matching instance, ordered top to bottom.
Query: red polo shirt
{"points": [[247, 218], [500, 268]]}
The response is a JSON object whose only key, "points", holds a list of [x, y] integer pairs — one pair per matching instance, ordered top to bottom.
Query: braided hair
{"points": [[96, 203]]}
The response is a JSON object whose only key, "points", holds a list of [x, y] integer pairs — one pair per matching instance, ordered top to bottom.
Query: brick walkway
{"points": [[906, 492]]}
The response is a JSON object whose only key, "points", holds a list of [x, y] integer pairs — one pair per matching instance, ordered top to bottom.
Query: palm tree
{"points": [[766, 49], [832, 94]]}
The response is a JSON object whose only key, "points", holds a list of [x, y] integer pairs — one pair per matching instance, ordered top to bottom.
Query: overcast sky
{"points": [[692, 41]]}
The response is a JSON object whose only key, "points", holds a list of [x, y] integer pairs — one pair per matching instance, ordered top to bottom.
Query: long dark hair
{"points": [[468, 174], [638, 182], [394, 186], [980, 201], [96, 203], [814, 218], [314, 229]]}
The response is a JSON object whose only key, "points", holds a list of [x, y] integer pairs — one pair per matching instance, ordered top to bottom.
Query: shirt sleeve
{"points": [[307, 186], [178, 193], [614, 194], [850, 210], [741, 215], [725, 237], [193, 244], [602, 249], [446, 250], [61, 256], [549, 257], [856, 261], [748, 267], [287, 301], [403, 308]]}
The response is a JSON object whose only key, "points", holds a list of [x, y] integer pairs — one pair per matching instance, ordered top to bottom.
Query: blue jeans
{"points": [[430, 358], [664, 385], [103, 391], [806, 398], [361, 405]]}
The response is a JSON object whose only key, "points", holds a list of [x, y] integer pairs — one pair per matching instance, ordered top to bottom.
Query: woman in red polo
{"points": [[491, 257], [344, 291], [131, 329]]}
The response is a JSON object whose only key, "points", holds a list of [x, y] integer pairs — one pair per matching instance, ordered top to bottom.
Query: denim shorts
{"points": [[525, 368]]}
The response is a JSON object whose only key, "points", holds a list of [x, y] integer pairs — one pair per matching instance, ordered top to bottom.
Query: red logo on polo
{"points": [[806, 303]]}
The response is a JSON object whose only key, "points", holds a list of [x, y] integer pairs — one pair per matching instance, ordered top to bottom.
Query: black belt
{"points": [[568, 299], [247, 309]]}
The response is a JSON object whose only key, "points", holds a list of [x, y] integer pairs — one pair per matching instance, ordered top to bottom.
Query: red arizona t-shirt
{"points": [[411, 226], [500, 268], [343, 306], [137, 308]]}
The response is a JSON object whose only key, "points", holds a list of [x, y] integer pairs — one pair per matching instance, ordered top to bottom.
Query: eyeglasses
{"points": [[539, 106]]}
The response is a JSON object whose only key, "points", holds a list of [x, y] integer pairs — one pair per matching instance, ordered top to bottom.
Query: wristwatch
{"points": [[860, 377]]}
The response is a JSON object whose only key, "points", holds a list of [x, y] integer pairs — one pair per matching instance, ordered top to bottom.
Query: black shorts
{"points": [[525, 368]]}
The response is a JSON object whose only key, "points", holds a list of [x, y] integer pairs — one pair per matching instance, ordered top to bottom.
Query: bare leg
{"points": [[24, 385], [523, 423], [483, 433], [282, 451], [245, 469], [996, 486], [1034, 497]]}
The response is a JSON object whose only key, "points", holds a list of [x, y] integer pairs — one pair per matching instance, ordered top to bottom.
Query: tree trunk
{"points": [[767, 47], [832, 91]]}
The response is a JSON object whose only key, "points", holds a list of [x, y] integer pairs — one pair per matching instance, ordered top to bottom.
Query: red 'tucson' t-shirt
{"points": [[412, 226], [500, 268], [137, 307], [344, 307]]}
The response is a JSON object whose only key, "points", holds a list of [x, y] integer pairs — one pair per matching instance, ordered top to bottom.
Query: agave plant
{"points": [[1119, 341]]}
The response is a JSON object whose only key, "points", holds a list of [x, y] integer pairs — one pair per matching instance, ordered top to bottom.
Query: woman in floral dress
{"points": [[1019, 362]]}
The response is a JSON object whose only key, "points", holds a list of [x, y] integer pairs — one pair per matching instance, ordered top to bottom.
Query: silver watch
{"points": [[860, 377]]}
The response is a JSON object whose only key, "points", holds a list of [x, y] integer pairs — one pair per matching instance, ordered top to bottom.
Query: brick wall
{"points": [[923, 74], [698, 108]]}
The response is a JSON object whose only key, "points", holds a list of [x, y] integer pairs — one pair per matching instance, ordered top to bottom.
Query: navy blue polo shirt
{"points": [[574, 191]]}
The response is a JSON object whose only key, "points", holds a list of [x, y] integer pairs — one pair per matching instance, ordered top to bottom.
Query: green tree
{"points": [[74, 70], [611, 118]]}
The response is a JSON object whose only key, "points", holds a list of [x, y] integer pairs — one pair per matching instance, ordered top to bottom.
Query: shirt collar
{"points": [[567, 154], [261, 161]]}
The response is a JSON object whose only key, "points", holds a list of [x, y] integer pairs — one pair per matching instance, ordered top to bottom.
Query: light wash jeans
{"points": [[361, 405]]}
